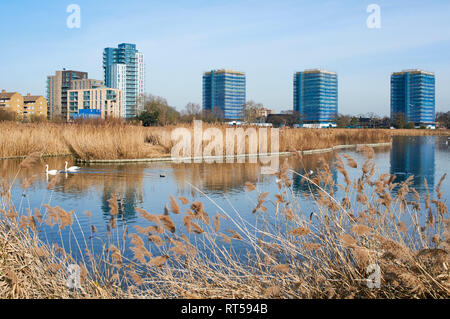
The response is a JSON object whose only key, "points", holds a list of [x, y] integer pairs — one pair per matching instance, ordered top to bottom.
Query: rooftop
{"points": [[227, 71], [311, 71], [413, 71], [6, 95], [31, 98]]}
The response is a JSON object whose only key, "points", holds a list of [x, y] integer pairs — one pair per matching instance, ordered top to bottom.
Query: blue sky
{"points": [[268, 40]]}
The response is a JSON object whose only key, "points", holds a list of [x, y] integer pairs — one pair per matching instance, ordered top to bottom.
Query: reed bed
{"points": [[420, 132], [19, 140], [116, 140], [327, 253], [29, 269]]}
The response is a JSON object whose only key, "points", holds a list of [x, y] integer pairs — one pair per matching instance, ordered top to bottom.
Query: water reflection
{"points": [[414, 156], [310, 165], [215, 178], [141, 184]]}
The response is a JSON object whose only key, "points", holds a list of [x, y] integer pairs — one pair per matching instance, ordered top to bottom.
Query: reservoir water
{"points": [[220, 187]]}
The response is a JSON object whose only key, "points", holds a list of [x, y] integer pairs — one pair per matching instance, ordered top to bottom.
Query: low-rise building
{"points": [[108, 101], [11, 102], [34, 106], [23, 107], [264, 112]]}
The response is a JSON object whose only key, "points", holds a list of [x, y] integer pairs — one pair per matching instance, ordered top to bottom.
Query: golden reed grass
{"points": [[419, 132], [116, 140], [290, 253]]}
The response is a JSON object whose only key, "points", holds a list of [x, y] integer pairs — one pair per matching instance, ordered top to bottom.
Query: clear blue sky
{"points": [[268, 40]]}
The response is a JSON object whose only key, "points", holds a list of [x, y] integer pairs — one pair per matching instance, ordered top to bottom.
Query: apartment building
{"points": [[124, 70], [57, 87], [225, 90], [413, 95], [316, 96], [108, 101], [12, 102], [34, 106], [24, 107]]}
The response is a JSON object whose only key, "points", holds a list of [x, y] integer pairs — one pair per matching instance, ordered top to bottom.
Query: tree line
{"points": [[156, 111]]}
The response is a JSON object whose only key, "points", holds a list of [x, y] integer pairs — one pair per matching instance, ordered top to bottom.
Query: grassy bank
{"points": [[118, 141], [329, 253]]}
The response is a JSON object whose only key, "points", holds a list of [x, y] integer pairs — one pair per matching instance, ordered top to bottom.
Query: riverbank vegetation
{"points": [[111, 140], [117, 140], [360, 229]]}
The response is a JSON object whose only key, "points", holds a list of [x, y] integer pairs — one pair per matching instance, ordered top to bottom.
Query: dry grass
{"points": [[418, 132], [19, 140], [120, 141], [290, 253], [30, 269]]}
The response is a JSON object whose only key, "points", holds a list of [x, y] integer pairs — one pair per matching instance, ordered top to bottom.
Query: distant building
{"points": [[124, 70], [57, 87], [224, 91], [413, 95], [316, 96], [105, 100], [12, 102], [34, 106], [24, 107], [264, 112]]}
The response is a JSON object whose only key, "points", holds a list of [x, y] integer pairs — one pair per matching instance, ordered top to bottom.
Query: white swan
{"points": [[72, 168], [52, 172]]}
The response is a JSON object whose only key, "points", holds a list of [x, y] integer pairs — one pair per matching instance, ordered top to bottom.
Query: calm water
{"points": [[141, 185]]}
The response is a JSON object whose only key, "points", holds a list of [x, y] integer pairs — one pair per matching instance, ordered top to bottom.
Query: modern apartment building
{"points": [[124, 70], [57, 87], [224, 92], [413, 95], [316, 96], [108, 101], [24, 107]]}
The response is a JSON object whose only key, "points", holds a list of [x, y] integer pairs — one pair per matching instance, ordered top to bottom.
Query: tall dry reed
{"points": [[116, 140]]}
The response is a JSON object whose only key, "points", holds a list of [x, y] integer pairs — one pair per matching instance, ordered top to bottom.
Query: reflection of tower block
{"points": [[414, 155]]}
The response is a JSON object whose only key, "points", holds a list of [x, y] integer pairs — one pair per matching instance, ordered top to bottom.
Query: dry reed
{"points": [[116, 140]]}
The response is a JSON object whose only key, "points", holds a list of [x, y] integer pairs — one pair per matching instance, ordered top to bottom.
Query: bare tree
{"points": [[193, 109], [252, 111]]}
